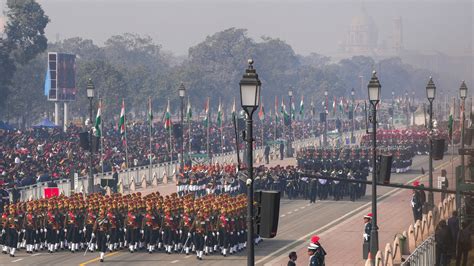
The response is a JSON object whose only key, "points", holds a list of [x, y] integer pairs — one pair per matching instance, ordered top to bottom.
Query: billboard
{"points": [[60, 82]]}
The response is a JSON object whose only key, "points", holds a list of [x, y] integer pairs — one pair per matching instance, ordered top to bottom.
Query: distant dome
{"points": [[362, 36]]}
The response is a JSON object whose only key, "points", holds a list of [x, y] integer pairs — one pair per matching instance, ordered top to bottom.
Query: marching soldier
{"points": [[101, 228], [199, 230]]}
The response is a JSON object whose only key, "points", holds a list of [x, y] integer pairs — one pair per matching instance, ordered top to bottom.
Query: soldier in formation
{"points": [[206, 225]]}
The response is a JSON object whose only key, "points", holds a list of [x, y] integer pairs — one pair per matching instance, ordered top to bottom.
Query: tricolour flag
{"points": [[302, 106], [206, 110], [233, 110], [293, 110], [189, 111], [283, 111], [313, 111], [150, 112], [261, 112], [219, 114], [168, 117], [277, 117], [98, 120], [121, 124]]}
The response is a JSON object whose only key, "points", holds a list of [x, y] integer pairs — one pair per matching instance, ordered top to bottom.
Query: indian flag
{"points": [[302, 106], [206, 110], [233, 110], [293, 110], [189, 111], [150, 112], [261, 112], [219, 115], [168, 117], [98, 120], [121, 124]]}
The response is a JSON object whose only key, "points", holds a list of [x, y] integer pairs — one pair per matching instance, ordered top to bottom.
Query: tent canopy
{"points": [[45, 123], [6, 126]]}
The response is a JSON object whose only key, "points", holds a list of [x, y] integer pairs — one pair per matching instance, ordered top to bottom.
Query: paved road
{"points": [[298, 220]]}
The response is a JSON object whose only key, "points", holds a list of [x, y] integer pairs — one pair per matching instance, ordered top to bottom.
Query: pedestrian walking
{"points": [[267, 154], [416, 203], [366, 235], [443, 243], [464, 244], [293, 257]]}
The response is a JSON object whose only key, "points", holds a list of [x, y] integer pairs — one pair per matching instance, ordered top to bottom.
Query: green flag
{"points": [[189, 111], [219, 115], [168, 117], [98, 120]]}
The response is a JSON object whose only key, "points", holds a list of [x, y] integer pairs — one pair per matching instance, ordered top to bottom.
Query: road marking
{"points": [[307, 205], [303, 207], [295, 210], [290, 212], [283, 215], [320, 230], [36, 254], [97, 259], [16, 260], [174, 261]]}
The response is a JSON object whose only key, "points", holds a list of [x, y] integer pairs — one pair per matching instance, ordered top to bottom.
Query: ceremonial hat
{"points": [[416, 183], [368, 216], [314, 239], [312, 246]]}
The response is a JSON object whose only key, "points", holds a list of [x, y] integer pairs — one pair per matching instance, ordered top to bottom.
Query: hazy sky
{"points": [[308, 26]]}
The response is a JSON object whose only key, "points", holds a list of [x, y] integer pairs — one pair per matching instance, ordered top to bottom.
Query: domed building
{"points": [[362, 36]]}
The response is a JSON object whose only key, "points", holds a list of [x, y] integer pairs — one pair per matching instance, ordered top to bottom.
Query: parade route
{"points": [[298, 220]]}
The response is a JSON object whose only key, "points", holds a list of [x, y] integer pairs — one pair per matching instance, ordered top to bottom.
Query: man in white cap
{"points": [[366, 235], [316, 252]]}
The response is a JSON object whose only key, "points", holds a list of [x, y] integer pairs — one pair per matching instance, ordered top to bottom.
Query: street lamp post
{"points": [[374, 88], [90, 89], [182, 93], [430, 94], [462, 95], [250, 100], [407, 106], [393, 108], [352, 122], [325, 135], [290, 139]]}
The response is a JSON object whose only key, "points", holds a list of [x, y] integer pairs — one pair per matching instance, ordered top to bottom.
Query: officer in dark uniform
{"points": [[416, 203], [366, 235]]}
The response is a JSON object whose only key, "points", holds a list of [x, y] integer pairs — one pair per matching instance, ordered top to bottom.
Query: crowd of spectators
{"points": [[42, 154]]}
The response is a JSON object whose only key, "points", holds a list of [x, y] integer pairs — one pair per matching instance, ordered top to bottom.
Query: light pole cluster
{"points": [[374, 88], [90, 90], [430, 94], [250, 100]]}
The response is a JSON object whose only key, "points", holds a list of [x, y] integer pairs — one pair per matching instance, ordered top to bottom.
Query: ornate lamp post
{"points": [[374, 88], [90, 89], [182, 93], [430, 94], [462, 95], [250, 100], [352, 122], [325, 136], [290, 139]]}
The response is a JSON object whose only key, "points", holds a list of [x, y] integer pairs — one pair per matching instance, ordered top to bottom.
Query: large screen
{"points": [[62, 77]]}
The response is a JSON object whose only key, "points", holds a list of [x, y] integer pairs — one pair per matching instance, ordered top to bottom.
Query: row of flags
{"points": [[281, 113]]}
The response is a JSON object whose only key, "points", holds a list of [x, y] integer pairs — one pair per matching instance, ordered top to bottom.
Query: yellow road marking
{"points": [[97, 259]]}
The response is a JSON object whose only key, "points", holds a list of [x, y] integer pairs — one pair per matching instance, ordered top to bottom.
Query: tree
{"points": [[25, 29]]}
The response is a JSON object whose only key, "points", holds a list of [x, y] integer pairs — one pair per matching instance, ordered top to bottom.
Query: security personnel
{"points": [[366, 235]]}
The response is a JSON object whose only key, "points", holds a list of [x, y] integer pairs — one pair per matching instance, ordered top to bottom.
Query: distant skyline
{"points": [[308, 26]]}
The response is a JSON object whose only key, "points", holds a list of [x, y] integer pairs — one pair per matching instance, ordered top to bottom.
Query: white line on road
{"points": [[384, 196], [308, 204], [303, 207], [295, 210], [290, 212], [283, 215], [36, 254], [16, 260], [174, 261]]}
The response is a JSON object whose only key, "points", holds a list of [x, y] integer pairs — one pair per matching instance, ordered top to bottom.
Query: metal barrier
{"points": [[425, 254]]}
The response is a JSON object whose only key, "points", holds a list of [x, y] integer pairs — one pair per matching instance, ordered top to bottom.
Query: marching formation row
{"points": [[212, 223]]}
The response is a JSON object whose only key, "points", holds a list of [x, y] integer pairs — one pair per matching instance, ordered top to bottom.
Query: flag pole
{"points": [[151, 125], [189, 129], [207, 129], [101, 139], [126, 142]]}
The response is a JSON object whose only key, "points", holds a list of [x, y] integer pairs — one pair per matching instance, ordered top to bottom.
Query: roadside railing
{"points": [[425, 254]]}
